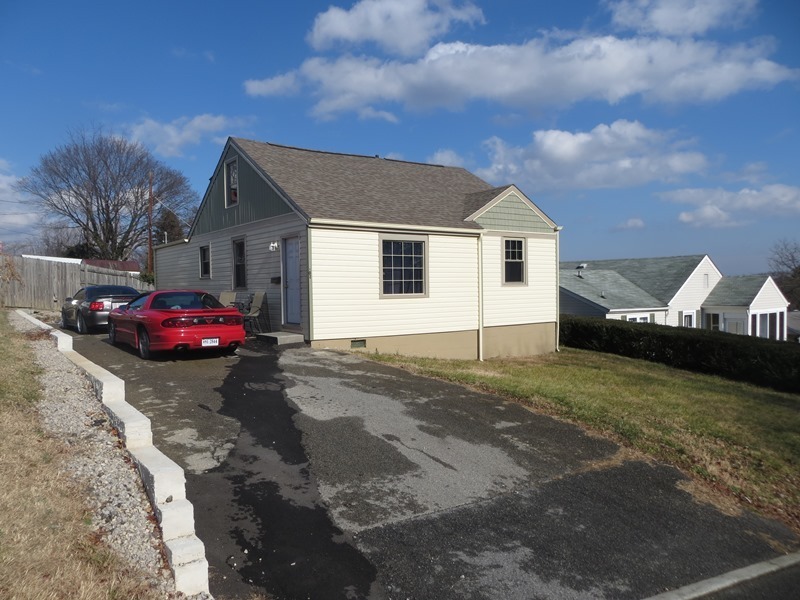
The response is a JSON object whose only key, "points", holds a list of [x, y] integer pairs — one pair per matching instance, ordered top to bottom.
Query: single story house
{"points": [[366, 252], [686, 291]]}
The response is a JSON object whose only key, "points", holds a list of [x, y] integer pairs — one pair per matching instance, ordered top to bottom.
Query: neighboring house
{"points": [[365, 252], [128, 266], [686, 291], [606, 293], [747, 305]]}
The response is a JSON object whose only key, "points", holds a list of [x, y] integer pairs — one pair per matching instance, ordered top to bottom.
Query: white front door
{"points": [[291, 280]]}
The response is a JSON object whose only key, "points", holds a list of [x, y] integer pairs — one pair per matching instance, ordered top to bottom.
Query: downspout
{"points": [[557, 230], [309, 284], [480, 297]]}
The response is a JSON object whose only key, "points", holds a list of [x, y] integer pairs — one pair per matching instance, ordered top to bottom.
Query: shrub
{"points": [[754, 360]]}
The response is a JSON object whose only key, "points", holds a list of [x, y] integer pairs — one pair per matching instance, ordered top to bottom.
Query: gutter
{"points": [[341, 224], [557, 230]]}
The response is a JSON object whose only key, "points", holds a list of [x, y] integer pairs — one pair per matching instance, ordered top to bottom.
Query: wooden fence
{"points": [[43, 284]]}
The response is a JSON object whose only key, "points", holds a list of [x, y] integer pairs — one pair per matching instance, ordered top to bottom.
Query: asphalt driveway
{"points": [[316, 474]]}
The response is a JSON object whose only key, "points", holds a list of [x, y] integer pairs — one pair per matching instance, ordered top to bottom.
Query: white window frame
{"points": [[231, 182], [234, 242], [207, 248], [524, 250], [403, 266]]}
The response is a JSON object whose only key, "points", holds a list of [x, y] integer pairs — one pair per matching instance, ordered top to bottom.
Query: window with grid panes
{"points": [[514, 260], [403, 267]]}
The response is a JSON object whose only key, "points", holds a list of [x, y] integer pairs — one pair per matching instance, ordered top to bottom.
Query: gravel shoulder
{"points": [[119, 505]]}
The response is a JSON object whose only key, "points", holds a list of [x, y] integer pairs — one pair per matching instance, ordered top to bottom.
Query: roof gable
{"points": [[353, 188], [509, 210], [661, 277], [741, 290]]}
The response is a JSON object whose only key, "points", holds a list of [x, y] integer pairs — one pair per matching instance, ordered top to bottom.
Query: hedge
{"points": [[754, 360]]}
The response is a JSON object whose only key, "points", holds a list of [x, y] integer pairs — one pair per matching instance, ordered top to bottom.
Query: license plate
{"points": [[210, 342]]}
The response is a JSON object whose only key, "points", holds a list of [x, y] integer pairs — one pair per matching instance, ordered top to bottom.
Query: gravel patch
{"points": [[121, 510]]}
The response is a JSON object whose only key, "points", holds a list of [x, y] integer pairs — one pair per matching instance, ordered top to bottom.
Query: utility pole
{"points": [[150, 228]]}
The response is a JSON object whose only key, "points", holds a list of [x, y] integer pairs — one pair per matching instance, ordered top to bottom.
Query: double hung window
{"points": [[514, 260], [239, 265]]}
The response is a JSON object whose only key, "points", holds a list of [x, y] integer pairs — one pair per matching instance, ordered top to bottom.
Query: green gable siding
{"points": [[257, 200], [513, 214]]}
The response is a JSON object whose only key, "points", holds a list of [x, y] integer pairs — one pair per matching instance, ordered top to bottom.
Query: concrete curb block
{"points": [[163, 479], [701, 589]]}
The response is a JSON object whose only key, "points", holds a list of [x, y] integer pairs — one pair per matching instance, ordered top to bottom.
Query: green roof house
{"points": [[686, 291]]}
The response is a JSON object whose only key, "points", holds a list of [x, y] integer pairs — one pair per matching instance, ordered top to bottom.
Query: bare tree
{"points": [[101, 184], [784, 261]]}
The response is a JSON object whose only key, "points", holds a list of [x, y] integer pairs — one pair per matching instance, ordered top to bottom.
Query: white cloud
{"points": [[681, 17], [403, 27], [539, 73], [280, 85], [368, 113], [169, 139], [623, 154], [446, 157], [718, 207], [708, 216], [16, 219], [632, 223]]}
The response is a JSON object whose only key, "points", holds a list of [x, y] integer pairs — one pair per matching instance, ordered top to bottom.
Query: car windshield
{"points": [[111, 290], [184, 300]]}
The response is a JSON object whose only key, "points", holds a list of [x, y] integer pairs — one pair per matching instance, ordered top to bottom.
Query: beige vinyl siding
{"points": [[178, 266], [346, 280], [693, 293], [769, 299], [534, 302]]}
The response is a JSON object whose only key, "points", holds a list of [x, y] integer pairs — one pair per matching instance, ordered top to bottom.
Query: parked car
{"points": [[89, 307], [176, 320]]}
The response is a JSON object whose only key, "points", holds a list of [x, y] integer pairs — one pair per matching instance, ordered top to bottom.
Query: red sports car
{"points": [[176, 320]]}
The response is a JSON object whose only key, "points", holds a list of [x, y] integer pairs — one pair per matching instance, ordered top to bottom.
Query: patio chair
{"points": [[229, 299], [257, 318]]}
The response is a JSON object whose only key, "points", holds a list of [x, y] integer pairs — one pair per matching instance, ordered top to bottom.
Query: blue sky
{"points": [[643, 127]]}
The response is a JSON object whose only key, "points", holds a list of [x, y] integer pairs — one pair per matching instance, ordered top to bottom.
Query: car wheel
{"points": [[81, 325], [112, 334], [143, 343]]}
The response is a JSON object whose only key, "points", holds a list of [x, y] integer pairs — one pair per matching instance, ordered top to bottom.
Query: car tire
{"points": [[81, 324], [112, 334], [143, 344]]}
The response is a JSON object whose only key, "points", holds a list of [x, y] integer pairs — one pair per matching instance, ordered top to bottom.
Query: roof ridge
{"points": [[351, 154]]}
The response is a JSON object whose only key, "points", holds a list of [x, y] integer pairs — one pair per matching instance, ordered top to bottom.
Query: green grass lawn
{"points": [[741, 440]]}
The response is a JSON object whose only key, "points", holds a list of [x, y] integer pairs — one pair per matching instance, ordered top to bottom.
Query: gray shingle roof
{"points": [[347, 187], [660, 277], [608, 289], [739, 290]]}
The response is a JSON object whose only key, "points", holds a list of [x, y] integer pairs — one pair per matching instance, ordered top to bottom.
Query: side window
{"points": [[232, 183], [205, 261], [514, 261], [239, 265], [403, 271], [80, 294], [138, 303]]}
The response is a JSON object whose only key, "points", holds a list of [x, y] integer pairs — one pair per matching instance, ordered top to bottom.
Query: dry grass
{"points": [[739, 441], [47, 547]]}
